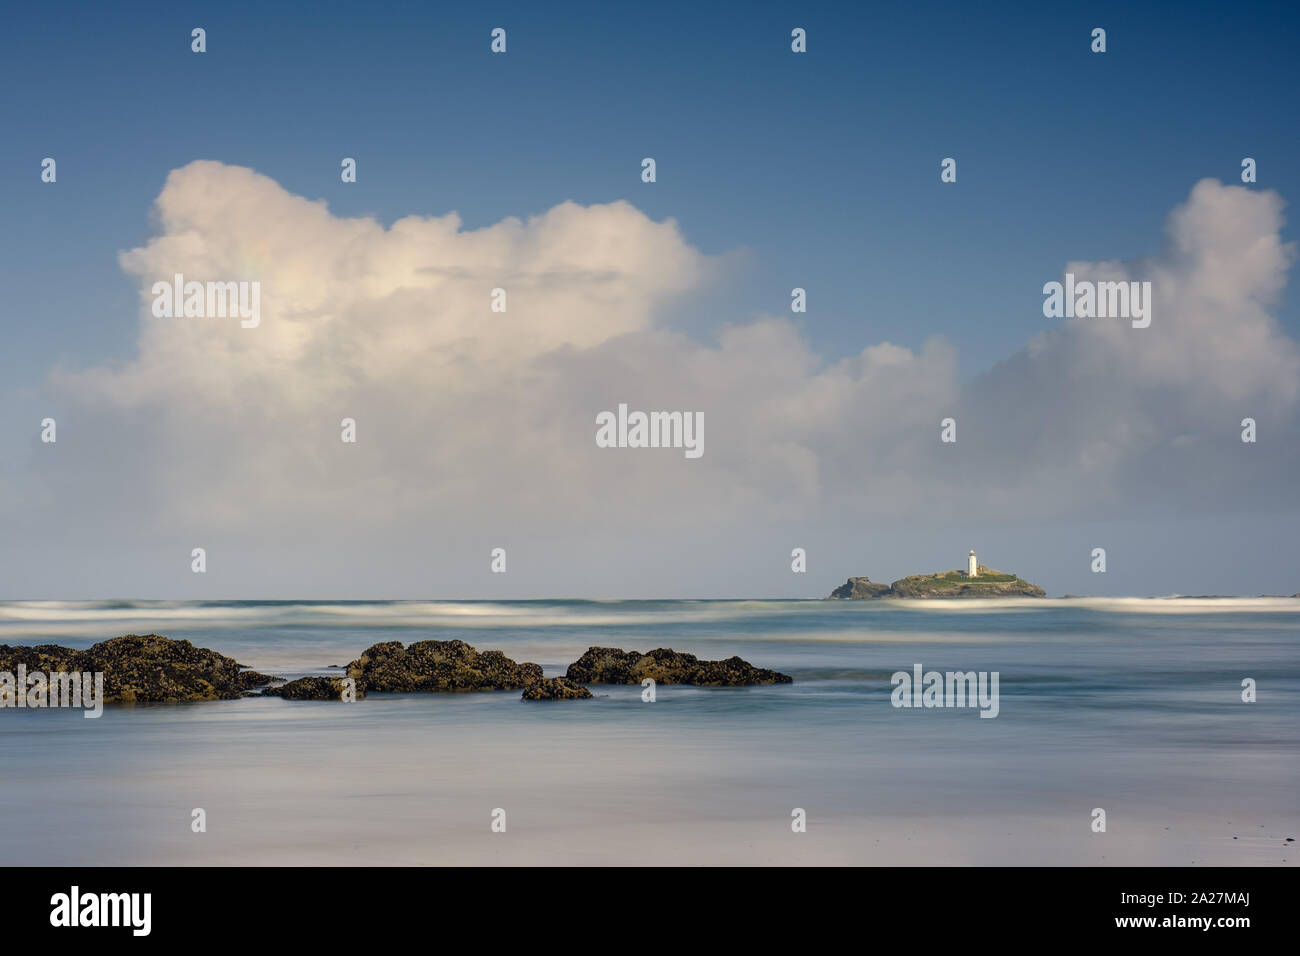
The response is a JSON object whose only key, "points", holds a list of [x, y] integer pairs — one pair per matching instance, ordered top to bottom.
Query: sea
{"points": [[1161, 731]]}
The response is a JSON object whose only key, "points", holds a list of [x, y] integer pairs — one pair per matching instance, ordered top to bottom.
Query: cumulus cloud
{"points": [[1099, 415], [473, 422]]}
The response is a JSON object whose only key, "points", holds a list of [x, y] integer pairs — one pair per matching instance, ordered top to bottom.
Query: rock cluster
{"points": [[610, 665], [438, 666], [143, 668], [155, 668]]}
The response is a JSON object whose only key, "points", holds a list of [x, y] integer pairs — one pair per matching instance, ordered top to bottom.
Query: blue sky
{"points": [[822, 168], [818, 170]]}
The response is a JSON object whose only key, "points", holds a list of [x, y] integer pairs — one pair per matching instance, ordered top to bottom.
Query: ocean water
{"points": [[1132, 706]]}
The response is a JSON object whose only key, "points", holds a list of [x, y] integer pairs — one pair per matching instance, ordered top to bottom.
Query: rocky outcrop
{"points": [[987, 583], [859, 589], [610, 665], [439, 666], [143, 668], [155, 668], [315, 688], [555, 688]]}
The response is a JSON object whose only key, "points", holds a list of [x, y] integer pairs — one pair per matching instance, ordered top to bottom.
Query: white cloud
{"points": [[473, 422]]}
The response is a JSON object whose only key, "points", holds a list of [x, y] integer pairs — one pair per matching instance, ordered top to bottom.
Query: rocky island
{"points": [[977, 581]]}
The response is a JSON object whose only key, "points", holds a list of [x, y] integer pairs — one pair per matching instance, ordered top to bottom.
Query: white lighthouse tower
{"points": [[972, 567]]}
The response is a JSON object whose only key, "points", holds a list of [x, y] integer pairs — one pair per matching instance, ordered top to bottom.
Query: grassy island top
{"points": [[987, 582]]}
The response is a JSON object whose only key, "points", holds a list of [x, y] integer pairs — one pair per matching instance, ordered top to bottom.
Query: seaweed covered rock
{"points": [[611, 665], [439, 666], [143, 668], [315, 688], [555, 688]]}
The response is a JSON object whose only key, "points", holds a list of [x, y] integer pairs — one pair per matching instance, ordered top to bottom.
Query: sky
{"points": [[522, 170]]}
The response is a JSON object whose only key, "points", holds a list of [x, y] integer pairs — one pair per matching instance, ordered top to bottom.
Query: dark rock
{"points": [[859, 589], [610, 665], [439, 666], [143, 668], [314, 688], [555, 688]]}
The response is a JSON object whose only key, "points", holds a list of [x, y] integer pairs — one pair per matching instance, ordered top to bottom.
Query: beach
{"points": [[1129, 705]]}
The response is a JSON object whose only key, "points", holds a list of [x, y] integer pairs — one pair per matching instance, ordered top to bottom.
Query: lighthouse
{"points": [[971, 566]]}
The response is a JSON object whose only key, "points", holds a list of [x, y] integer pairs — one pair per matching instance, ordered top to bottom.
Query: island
{"points": [[977, 581]]}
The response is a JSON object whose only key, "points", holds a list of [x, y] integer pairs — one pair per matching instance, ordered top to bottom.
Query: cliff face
{"points": [[988, 583]]}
